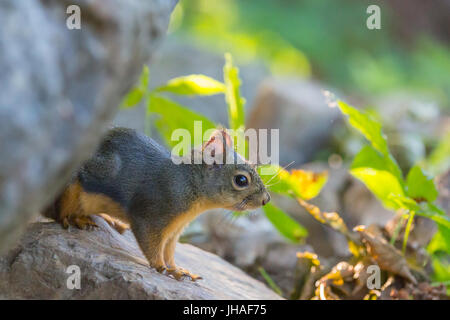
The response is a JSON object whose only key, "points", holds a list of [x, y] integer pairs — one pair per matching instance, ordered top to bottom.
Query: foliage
{"points": [[298, 40], [170, 115], [378, 170], [287, 226]]}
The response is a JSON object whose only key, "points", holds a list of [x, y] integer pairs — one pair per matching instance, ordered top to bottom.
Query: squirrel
{"points": [[132, 181]]}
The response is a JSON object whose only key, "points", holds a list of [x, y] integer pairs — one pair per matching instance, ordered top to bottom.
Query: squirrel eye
{"points": [[241, 181]]}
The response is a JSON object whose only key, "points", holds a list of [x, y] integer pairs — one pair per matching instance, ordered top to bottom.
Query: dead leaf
{"points": [[333, 220], [387, 257]]}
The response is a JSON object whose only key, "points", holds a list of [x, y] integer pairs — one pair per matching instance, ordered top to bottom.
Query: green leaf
{"points": [[144, 78], [195, 84], [137, 93], [132, 98], [235, 103], [172, 116], [367, 125], [379, 173], [297, 183], [420, 186], [403, 202], [425, 209], [287, 226], [440, 241], [441, 268]]}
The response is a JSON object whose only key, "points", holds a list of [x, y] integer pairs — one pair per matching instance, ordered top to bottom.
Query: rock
{"points": [[60, 88], [298, 109], [413, 123], [443, 186], [361, 207], [113, 267]]}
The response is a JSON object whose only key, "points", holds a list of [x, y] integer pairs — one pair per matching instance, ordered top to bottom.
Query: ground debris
{"points": [[386, 256], [400, 278]]}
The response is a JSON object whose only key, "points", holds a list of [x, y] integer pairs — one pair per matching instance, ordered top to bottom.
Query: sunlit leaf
{"points": [[144, 78], [195, 84], [132, 98], [171, 116], [236, 116], [367, 125], [376, 172], [298, 183], [420, 186], [287, 226], [440, 240], [441, 268]]}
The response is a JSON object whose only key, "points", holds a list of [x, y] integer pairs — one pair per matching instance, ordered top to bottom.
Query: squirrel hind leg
{"points": [[68, 209], [82, 222], [118, 225]]}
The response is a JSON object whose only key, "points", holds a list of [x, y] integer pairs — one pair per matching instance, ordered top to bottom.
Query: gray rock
{"points": [[60, 87], [299, 109], [413, 123], [443, 186], [113, 267]]}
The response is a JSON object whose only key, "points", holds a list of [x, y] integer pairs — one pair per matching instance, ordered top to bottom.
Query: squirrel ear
{"points": [[217, 145]]}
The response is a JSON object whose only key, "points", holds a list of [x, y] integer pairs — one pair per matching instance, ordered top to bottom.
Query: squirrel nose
{"points": [[266, 199]]}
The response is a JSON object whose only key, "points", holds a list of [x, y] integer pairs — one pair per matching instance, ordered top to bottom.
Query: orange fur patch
{"points": [[76, 202], [172, 232]]}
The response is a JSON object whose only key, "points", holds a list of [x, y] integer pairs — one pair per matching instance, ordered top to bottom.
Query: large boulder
{"points": [[59, 89], [298, 108], [112, 267]]}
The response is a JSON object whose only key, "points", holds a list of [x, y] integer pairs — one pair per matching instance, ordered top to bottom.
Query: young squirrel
{"points": [[133, 179]]}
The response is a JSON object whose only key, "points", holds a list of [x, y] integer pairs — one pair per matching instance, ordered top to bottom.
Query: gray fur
{"points": [[138, 173]]}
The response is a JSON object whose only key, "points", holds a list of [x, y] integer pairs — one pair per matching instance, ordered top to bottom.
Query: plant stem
{"points": [[397, 230], [408, 230], [269, 281]]}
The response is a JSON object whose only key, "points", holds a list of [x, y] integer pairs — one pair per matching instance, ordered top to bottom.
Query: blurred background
{"points": [[288, 52]]}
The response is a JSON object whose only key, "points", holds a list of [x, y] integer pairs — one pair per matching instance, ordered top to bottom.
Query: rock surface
{"points": [[60, 87], [299, 110], [112, 267]]}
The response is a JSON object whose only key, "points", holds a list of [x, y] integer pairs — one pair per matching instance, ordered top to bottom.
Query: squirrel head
{"points": [[227, 179]]}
